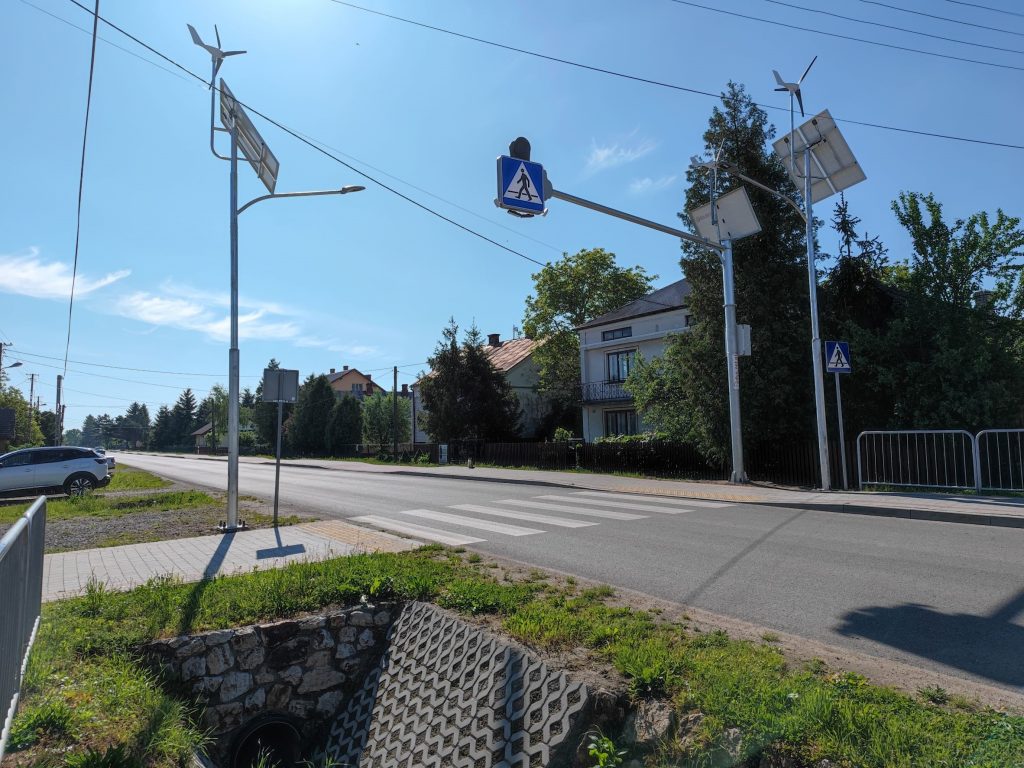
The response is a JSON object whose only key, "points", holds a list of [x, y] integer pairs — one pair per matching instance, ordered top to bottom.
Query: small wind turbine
{"points": [[216, 54], [794, 90]]}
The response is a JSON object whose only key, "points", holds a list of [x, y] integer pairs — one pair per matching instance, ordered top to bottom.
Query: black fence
{"points": [[794, 464]]}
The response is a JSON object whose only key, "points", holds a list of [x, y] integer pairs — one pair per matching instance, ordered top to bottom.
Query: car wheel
{"points": [[79, 485]]}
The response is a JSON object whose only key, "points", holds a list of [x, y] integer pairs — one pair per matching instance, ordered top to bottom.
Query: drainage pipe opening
{"points": [[274, 741]]}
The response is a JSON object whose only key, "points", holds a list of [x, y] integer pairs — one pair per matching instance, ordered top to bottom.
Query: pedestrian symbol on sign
{"points": [[525, 186], [837, 357]]}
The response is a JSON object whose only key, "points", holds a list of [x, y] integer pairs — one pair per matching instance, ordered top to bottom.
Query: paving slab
{"points": [[66, 574]]}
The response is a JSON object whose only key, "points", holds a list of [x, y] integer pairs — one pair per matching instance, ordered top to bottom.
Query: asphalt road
{"points": [[942, 596]]}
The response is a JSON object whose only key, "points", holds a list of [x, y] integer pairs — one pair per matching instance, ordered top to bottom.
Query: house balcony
{"points": [[604, 392]]}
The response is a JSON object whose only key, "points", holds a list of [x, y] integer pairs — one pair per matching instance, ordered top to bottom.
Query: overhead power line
{"points": [[986, 8], [944, 18], [890, 26], [848, 37], [663, 84], [318, 148], [81, 179]]}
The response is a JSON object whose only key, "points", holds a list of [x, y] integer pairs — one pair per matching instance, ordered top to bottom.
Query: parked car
{"points": [[73, 470]]}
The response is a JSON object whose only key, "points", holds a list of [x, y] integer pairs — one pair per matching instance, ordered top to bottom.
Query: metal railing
{"points": [[602, 391], [924, 458], [999, 459], [21, 577]]}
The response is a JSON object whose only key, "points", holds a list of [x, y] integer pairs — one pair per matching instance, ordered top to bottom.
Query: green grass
{"points": [[128, 478], [98, 505], [87, 692]]}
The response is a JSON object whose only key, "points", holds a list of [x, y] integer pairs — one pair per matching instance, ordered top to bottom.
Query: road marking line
{"points": [[687, 494], [651, 497], [619, 504], [606, 513], [516, 515], [471, 522], [434, 534]]}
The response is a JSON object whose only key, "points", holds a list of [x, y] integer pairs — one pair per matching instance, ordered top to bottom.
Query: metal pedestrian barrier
{"points": [[926, 458], [1000, 459], [21, 591]]}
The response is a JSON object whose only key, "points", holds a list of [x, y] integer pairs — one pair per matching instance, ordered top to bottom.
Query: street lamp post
{"points": [[264, 163]]}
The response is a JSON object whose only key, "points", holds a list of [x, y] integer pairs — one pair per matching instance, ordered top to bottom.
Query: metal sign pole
{"points": [[812, 278], [842, 440], [277, 469], [739, 475], [232, 522]]}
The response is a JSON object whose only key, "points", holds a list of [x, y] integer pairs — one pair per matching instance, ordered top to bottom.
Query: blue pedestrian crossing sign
{"points": [[520, 185], [837, 357]]}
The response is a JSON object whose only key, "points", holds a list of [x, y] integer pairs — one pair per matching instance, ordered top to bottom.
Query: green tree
{"points": [[567, 294], [685, 394], [464, 397], [214, 409], [183, 419], [378, 420], [47, 421], [307, 426], [345, 426], [134, 427], [26, 430], [90, 432], [161, 436], [73, 437]]}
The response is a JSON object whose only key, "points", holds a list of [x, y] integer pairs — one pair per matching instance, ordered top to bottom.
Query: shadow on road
{"points": [[281, 550], [728, 566], [986, 646]]}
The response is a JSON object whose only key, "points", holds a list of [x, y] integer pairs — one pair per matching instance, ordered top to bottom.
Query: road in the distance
{"points": [[942, 596]]}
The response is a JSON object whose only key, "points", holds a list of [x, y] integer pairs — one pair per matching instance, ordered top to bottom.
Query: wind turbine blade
{"points": [[217, 33], [195, 36], [231, 53], [216, 69], [807, 70], [779, 80], [782, 89], [800, 101], [718, 153]]}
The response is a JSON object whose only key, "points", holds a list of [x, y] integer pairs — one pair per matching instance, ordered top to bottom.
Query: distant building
{"points": [[609, 345], [513, 359], [349, 381]]}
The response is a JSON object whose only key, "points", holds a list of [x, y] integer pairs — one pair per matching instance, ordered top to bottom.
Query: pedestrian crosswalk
{"points": [[466, 523]]}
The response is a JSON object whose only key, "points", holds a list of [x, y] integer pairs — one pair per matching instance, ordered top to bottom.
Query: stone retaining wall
{"points": [[302, 668]]}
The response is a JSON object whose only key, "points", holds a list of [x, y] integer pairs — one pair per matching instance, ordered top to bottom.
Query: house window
{"points": [[618, 333], [620, 364], [357, 387], [620, 422]]}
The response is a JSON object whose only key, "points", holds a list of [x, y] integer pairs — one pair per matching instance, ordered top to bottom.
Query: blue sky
{"points": [[368, 280]]}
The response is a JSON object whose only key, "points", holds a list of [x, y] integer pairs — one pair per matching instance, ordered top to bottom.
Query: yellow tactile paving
{"points": [[709, 495], [365, 539]]}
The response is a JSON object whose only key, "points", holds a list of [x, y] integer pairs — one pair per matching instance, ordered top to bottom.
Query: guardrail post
{"points": [[976, 447], [860, 475]]}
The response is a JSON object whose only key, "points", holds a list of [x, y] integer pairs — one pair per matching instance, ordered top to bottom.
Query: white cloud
{"points": [[601, 158], [647, 184], [28, 275]]}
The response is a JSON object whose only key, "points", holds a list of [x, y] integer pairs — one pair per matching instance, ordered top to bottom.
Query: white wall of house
{"points": [[604, 363]]}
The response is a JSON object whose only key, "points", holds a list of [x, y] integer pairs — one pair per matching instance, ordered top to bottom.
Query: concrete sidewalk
{"points": [[951, 508], [66, 574]]}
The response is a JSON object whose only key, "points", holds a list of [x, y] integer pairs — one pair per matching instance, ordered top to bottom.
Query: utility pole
{"points": [[31, 392], [58, 412], [394, 412]]}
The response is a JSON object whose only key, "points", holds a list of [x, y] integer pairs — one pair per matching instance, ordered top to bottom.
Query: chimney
{"points": [[494, 339], [344, 368], [332, 370], [368, 376], [405, 390]]}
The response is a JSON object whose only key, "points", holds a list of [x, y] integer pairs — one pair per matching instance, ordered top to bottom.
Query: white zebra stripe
{"points": [[658, 499], [618, 504], [605, 513], [471, 522], [561, 522], [422, 531]]}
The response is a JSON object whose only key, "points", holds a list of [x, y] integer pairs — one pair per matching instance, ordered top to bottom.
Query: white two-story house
{"points": [[609, 345]]}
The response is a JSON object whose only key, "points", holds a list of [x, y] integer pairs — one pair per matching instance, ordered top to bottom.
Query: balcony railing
{"points": [[603, 391]]}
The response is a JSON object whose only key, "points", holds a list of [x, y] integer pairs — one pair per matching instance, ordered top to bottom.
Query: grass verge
{"points": [[128, 478], [100, 506], [86, 689]]}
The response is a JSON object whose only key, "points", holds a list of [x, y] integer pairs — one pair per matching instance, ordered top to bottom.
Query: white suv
{"points": [[75, 470]]}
